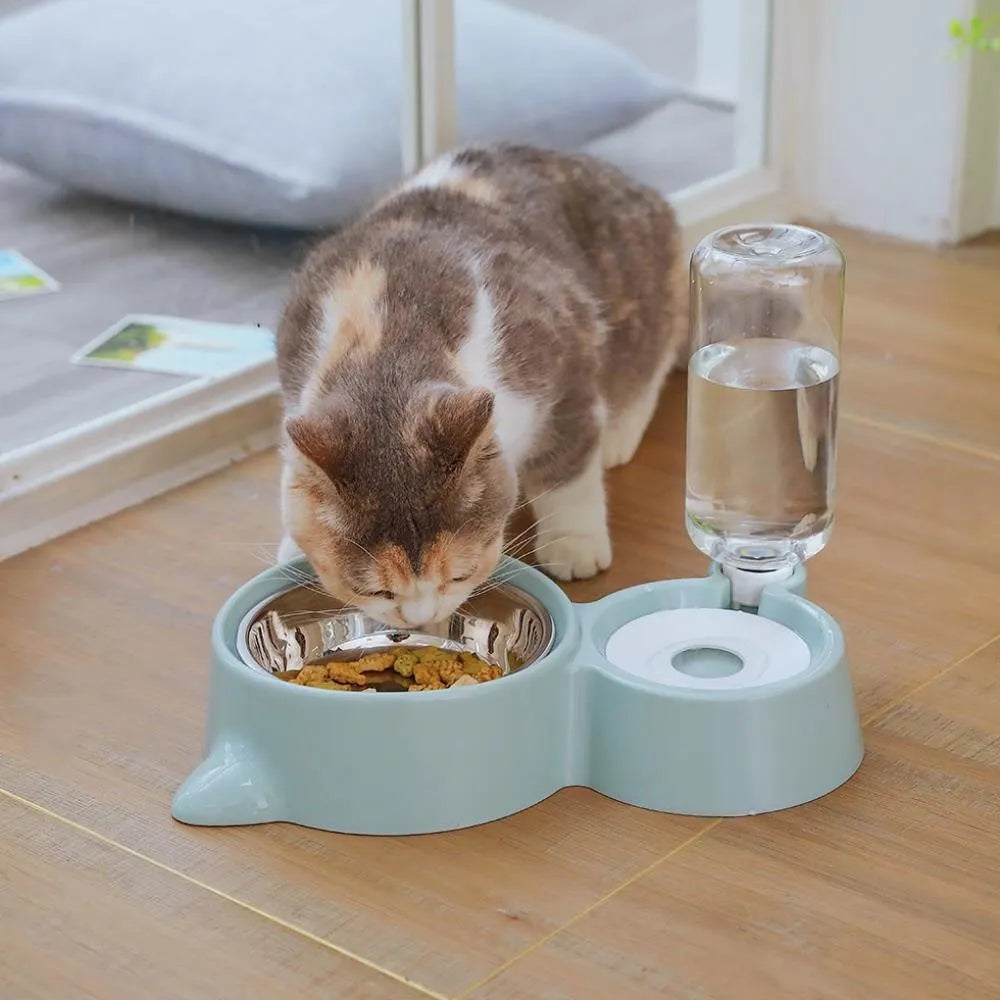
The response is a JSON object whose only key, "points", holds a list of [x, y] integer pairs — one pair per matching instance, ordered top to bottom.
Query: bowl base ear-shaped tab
{"points": [[230, 787]]}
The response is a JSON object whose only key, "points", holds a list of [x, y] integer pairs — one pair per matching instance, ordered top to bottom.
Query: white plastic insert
{"points": [[708, 648]]}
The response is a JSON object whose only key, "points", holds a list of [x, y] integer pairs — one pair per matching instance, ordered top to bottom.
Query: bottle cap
{"points": [[749, 584]]}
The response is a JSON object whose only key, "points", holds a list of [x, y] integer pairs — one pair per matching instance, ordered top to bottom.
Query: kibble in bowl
{"points": [[304, 637], [423, 668]]}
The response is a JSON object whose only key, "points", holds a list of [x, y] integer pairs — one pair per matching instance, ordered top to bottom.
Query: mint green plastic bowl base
{"points": [[396, 763]]}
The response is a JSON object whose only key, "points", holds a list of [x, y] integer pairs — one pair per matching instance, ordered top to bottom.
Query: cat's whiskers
{"points": [[527, 501], [531, 530], [526, 533], [519, 536], [549, 542], [248, 544], [522, 544], [530, 546], [258, 550], [539, 550], [522, 553], [371, 555], [291, 574], [302, 579], [495, 582], [312, 588], [317, 612]]}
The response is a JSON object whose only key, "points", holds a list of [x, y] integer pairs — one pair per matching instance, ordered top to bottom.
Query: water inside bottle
{"points": [[761, 443]]}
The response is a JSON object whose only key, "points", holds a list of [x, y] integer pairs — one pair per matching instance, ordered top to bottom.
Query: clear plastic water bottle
{"points": [[766, 316]]}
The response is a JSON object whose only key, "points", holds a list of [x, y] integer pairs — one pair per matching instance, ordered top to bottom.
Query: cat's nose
{"points": [[418, 612]]}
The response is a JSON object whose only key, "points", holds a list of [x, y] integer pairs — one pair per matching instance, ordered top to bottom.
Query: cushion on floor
{"points": [[280, 112]]}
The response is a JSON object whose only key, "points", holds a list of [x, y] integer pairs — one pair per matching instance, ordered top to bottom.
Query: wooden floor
{"points": [[886, 888]]}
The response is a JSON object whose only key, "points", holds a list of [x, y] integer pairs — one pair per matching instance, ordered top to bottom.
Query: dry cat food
{"points": [[426, 668]]}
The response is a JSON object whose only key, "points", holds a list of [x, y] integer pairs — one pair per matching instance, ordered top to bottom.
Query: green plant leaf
{"points": [[974, 34]]}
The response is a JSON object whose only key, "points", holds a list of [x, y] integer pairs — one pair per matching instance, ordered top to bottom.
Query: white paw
{"points": [[622, 437], [617, 448], [288, 550], [575, 557]]}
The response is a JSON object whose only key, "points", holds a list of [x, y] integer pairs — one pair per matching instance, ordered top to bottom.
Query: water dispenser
{"points": [[766, 317], [725, 695]]}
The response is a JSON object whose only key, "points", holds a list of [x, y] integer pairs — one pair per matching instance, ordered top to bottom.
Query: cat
{"points": [[498, 327]]}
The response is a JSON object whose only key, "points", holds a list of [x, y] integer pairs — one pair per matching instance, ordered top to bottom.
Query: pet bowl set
{"points": [[722, 696]]}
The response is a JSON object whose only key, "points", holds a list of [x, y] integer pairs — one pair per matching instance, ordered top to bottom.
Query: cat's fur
{"points": [[501, 324]]}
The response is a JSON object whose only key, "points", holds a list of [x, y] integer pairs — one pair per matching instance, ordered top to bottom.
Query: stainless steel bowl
{"points": [[504, 626]]}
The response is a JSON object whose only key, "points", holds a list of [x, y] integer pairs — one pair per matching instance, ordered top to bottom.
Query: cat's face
{"points": [[402, 516]]}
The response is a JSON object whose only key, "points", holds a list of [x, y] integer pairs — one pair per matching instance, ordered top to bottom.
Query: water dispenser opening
{"points": [[707, 661]]}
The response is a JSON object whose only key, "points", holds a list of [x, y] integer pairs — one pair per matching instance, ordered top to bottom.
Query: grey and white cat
{"points": [[500, 326]]}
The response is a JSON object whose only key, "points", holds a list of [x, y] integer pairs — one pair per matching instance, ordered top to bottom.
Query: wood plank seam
{"points": [[925, 438], [885, 709], [315, 938], [534, 946]]}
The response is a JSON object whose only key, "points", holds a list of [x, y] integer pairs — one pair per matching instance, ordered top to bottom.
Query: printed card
{"points": [[19, 277], [174, 346]]}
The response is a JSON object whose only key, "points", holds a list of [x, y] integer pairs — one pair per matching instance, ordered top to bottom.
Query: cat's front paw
{"points": [[575, 557]]}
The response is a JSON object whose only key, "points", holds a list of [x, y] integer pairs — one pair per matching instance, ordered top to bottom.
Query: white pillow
{"points": [[282, 112]]}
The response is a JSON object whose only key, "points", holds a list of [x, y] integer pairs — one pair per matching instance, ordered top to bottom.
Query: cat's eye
{"points": [[463, 578], [382, 595]]}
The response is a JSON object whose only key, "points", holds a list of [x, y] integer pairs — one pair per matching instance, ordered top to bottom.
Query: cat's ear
{"points": [[456, 423], [321, 439]]}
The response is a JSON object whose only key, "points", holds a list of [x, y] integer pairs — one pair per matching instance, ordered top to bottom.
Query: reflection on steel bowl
{"points": [[504, 627]]}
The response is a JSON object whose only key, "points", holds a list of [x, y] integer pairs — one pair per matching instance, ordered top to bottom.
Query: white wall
{"points": [[719, 57], [882, 144]]}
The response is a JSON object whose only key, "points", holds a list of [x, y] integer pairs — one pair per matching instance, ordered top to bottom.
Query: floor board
{"points": [[922, 329], [885, 888], [82, 918]]}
